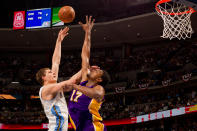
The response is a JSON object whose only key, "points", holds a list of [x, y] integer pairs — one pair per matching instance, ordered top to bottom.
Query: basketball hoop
{"points": [[176, 17]]}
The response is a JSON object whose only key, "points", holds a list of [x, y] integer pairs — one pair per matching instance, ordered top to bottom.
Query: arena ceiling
{"points": [[103, 10], [117, 22], [133, 30]]}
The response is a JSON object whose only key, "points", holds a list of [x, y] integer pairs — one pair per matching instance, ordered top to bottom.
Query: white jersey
{"points": [[56, 111]]}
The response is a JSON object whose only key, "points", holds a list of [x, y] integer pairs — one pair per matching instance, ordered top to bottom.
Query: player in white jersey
{"points": [[51, 92]]}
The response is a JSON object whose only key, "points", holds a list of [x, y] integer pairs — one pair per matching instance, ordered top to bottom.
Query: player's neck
{"points": [[48, 82], [91, 83]]}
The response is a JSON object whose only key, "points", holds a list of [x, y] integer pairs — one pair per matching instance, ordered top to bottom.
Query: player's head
{"points": [[45, 75], [95, 75], [105, 79]]}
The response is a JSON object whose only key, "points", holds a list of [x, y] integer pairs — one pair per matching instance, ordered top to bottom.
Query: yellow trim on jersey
{"points": [[94, 107], [58, 117], [72, 122], [98, 126]]}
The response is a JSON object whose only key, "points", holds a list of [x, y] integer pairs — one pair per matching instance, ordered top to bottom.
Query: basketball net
{"points": [[176, 18]]}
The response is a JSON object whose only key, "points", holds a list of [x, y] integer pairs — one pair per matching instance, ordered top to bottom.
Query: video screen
{"points": [[38, 18], [55, 19]]}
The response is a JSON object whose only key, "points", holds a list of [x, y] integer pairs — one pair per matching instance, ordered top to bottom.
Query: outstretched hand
{"points": [[89, 24], [63, 33]]}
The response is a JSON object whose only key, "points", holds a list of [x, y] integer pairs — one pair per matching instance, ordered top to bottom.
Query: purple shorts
{"points": [[82, 121]]}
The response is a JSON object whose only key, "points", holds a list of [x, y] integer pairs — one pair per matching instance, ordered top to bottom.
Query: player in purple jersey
{"points": [[86, 98]]}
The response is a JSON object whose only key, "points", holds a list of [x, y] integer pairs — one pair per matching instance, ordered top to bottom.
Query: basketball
{"points": [[66, 14]]}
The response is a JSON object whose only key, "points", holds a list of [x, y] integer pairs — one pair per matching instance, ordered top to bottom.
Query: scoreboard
{"points": [[38, 18]]}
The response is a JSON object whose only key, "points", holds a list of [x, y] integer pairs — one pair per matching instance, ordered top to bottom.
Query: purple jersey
{"points": [[84, 112]]}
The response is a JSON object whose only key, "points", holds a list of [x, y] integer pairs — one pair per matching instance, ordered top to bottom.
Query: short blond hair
{"points": [[40, 74]]}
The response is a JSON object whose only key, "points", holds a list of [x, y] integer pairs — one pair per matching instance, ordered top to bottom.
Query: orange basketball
{"points": [[66, 14]]}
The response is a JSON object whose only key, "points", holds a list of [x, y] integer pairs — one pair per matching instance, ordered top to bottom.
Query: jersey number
{"points": [[78, 94]]}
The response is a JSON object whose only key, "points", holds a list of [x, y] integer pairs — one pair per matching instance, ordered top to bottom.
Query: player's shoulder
{"points": [[48, 87], [99, 87], [43, 89], [46, 92], [101, 93]]}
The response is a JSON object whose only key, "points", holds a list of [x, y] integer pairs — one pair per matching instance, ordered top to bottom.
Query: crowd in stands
{"points": [[150, 66], [124, 106], [22, 111], [29, 111], [184, 123]]}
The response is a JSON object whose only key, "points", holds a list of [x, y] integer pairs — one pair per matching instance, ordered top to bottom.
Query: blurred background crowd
{"points": [[141, 80]]}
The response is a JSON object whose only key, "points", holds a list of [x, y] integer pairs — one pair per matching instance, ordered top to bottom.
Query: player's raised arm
{"points": [[57, 52], [85, 54]]}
